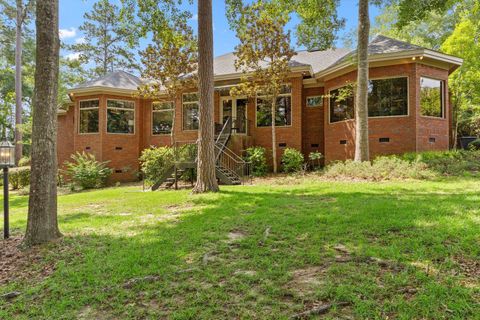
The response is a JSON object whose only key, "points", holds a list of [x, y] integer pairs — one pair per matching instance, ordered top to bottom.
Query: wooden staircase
{"points": [[229, 167]]}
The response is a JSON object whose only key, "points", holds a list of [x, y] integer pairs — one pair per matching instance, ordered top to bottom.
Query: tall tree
{"points": [[19, 13], [107, 44], [263, 56], [167, 77], [361, 101], [206, 177], [42, 225]]}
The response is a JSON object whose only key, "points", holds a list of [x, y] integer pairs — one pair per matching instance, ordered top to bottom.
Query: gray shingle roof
{"points": [[381, 45], [116, 80]]}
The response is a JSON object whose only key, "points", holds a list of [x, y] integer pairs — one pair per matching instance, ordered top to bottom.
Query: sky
{"points": [[71, 17]]}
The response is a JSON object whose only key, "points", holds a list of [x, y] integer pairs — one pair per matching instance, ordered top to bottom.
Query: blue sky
{"points": [[71, 17]]}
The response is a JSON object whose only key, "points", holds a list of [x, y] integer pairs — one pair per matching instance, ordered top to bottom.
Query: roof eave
{"points": [[100, 89]]}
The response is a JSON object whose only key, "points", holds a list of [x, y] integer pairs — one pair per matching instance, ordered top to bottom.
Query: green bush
{"points": [[474, 145], [257, 158], [314, 159], [292, 160], [155, 161], [24, 162], [453, 162], [382, 168], [86, 172], [19, 177]]}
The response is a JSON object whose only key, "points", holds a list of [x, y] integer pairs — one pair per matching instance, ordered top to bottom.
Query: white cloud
{"points": [[195, 17], [67, 33], [80, 40], [73, 56]]}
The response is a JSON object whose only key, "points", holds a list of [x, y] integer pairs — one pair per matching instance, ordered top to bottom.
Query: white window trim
{"points": [[443, 87], [280, 95], [312, 97], [189, 102], [234, 107], [79, 109], [126, 109], [162, 110]]}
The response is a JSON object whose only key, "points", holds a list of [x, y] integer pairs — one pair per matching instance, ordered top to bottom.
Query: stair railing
{"points": [[231, 162]]}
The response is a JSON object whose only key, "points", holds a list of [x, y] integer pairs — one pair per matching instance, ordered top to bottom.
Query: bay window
{"points": [[388, 97], [431, 97], [341, 105], [120, 116], [88, 117]]}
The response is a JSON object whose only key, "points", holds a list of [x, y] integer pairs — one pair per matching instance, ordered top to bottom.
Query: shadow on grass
{"points": [[197, 264]]}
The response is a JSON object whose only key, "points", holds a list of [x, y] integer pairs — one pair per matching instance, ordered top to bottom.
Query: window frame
{"points": [[443, 86], [290, 94], [408, 97], [197, 102], [317, 105], [329, 107], [172, 110], [79, 113], [134, 116]]}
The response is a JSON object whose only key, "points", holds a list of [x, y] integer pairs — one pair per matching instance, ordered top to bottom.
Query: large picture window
{"points": [[388, 97], [431, 97], [341, 104], [283, 109], [190, 111], [120, 116], [162, 117], [88, 122]]}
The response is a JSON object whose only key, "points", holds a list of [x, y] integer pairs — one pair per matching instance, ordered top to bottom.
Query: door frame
{"points": [[234, 109]]}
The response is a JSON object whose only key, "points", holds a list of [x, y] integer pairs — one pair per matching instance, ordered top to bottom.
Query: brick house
{"points": [[408, 108]]}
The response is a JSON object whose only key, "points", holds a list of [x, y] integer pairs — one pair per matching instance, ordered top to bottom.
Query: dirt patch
{"points": [[235, 235], [16, 263], [470, 268], [304, 281]]}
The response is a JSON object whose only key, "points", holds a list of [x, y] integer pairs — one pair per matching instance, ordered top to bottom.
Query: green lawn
{"points": [[397, 250]]}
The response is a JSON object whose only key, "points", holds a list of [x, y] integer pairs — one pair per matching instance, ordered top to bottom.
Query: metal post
{"points": [[6, 231]]}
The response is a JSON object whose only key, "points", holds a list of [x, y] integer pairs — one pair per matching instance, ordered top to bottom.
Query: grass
{"points": [[402, 250]]}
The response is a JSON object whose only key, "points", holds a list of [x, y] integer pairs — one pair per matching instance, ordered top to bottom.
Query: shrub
{"points": [[474, 145], [257, 158], [314, 159], [292, 160], [155, 161], [24, 162], [453, 162], [382, 168], [86, 172], [19, 177]]}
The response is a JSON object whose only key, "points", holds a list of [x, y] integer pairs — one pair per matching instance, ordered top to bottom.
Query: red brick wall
{"points": [[313, 123], [65, 133], [406, 133]]}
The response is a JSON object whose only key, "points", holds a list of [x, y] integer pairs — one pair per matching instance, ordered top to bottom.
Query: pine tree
{"points": [[107, 42]]}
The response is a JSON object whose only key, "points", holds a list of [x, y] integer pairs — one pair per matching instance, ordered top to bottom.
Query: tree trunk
{"points": [[18, 83], [361, 108], [274, 135], [206, 178], [42, 225]]}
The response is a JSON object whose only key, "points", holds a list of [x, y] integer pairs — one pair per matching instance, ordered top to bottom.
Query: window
{"points": [[388, 97], [431, 97], [315, 101], [341, 105], [190, 111], [283, 112], [120, 116], [162, 117], [88, 122]]}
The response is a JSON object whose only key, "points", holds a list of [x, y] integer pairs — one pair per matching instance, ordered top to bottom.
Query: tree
{"points": [[19, 13], [318, 20], [107, 43], [263, 56], [167, 77], [361, 99], [206, 177], [42, 225]]}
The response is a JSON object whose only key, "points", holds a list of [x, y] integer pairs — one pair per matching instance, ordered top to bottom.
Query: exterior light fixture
{"points": [[413, 58], [421, 58], [7, 160]]}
